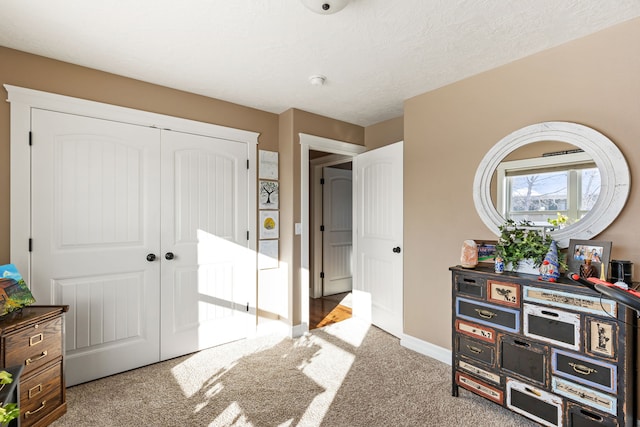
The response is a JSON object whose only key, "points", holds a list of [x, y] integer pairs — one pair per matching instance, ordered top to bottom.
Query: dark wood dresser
{"points": [[33, 338], [557, 353]]}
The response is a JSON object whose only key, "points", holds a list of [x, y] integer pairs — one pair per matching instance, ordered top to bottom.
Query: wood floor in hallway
{"points": [[330, 309]]}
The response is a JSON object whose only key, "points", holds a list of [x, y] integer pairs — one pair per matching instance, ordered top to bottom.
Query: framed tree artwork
{"points": [[268, 194]]}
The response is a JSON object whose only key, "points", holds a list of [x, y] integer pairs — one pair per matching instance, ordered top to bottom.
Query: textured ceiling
{"points": [[260, 53]]}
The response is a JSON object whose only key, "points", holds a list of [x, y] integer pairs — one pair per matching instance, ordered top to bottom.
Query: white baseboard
{"points": [[299, 330], [426, 348]]}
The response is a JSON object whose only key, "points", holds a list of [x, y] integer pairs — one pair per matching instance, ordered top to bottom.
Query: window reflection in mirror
{"points": [[548, 183]]}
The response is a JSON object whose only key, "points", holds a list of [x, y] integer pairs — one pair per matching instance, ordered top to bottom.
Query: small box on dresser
{"points": [[33, 337], [557, 353]]}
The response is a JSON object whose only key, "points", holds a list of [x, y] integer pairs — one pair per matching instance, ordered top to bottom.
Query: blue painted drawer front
{"points": [[487, 314], [591, 372]]}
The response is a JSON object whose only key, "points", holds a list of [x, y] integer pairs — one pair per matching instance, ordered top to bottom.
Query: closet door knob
{"points": [[397, 250], [169, 256], [151, 257]]}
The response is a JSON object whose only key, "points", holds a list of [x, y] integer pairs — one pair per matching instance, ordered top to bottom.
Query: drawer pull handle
{"points": [[469, 280], [485, 313], [550, 313], [36, 339], [521, 343], [473, 349], [30, 360], [581, 369], [34, 391], [532, 391], [42, 405], [591, 415]]}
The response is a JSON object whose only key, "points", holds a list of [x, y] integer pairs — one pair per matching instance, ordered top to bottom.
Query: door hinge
{"points": [[30, 138], [247, 163], [321, 181], [322, 228], [247, 235], [30, 244], [322, 274], [247, 306]]}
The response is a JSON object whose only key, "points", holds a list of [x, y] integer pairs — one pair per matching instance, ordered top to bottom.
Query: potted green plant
{"points": [[522, 243], [10, 411]]}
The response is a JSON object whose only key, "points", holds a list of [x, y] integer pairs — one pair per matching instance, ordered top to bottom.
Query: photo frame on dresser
{"points": [[486, 251], [598, 251]]}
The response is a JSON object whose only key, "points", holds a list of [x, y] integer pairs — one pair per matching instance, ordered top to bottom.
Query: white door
{"points": [[378, 187], [95, 203], [337, 237], [208, 272]]}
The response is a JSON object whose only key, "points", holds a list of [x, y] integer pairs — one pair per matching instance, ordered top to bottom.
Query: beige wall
{"points": [[593, 81], [302, 122], [384, 133]]}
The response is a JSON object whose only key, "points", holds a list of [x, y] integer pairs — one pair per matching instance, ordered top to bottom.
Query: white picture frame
{"points": [[267, 164], [269, 224], [268, 252]]}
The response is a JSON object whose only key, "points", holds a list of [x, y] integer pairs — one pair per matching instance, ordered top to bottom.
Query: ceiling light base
{"points": [[325, 7], [317, 80]]}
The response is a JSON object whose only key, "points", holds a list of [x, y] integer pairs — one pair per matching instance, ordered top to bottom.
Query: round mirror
{"points": [[570, 143]]}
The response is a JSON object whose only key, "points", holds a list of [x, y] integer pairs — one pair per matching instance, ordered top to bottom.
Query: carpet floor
{"points": [[346, 374]]}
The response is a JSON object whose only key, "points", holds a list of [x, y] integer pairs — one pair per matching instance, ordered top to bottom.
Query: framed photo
{"points": [[268, 194], [269, 225], [486, 250], [597, 250], [601, 337]]}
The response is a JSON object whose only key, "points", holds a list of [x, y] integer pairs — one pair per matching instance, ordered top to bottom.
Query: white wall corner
{"points": [[426, 348]]}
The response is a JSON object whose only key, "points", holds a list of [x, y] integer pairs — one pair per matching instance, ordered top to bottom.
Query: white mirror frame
{"points": [[614, 174]]}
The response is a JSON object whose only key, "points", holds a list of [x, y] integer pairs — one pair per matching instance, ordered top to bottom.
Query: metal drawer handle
{"points": [[486, 313], [36, 339], [473, 349], [30, 360], [581, 369], [34, 391], [532, 391], [42, 405]]}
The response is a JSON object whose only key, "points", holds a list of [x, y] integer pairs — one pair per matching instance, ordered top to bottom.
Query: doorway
{"points": [[331, 235]]}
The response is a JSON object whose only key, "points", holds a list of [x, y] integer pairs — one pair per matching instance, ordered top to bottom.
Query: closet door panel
{"points": [[95, 203], [209, 277]]}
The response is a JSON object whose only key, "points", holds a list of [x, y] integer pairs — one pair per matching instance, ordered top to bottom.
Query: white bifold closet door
{"points": [[142, 232]]}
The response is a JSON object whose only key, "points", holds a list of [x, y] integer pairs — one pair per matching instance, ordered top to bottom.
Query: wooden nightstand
{"points": [[33, 338]]}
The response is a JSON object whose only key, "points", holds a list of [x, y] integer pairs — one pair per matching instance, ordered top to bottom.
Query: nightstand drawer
{"points": [[35, 346], [41, 394]]}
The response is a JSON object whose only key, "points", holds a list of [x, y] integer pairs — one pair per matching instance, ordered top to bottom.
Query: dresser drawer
{"points": [[468, 285], [488, 314], [553, 326], [34, 346], [475, 350], [524, 358], [591, 372], [41, 394], [539, 405], [578, 416]]}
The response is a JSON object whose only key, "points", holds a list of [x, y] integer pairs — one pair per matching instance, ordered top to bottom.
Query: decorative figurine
{"points": [[469, 255], [498, 265], [550, 267], [587, 270]]}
